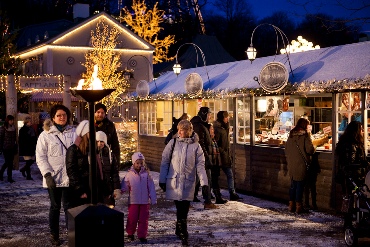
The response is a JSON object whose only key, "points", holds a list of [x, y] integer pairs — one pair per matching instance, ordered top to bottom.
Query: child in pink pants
{"points": [[141, 189]]}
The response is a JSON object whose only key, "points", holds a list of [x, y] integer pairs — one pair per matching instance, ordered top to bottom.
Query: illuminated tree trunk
{"points": [[11, 109]]}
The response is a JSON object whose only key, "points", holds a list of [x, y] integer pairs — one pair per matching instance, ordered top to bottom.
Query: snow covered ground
{"points": [[250, 222]]}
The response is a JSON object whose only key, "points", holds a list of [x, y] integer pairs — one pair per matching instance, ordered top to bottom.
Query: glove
{"points": [[49, 181], [163, 186], [117, 194]]}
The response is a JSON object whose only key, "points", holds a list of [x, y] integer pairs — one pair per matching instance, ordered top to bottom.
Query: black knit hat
{"points": [[100, 106], [203, 111]]}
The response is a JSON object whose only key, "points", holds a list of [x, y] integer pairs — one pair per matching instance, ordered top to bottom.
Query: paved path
{"points": [[250, 222]]}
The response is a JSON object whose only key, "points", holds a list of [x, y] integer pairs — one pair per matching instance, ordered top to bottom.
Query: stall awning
{"points": [[47, 96]]}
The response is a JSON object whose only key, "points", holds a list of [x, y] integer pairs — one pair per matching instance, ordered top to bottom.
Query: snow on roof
{"points": [[332, 63]]}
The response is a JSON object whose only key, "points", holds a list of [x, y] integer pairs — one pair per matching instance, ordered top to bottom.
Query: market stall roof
{"points": [[332, 63], [47, 96]]}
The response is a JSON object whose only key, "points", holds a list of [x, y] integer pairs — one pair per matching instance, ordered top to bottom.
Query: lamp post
{"points": [[252, 52], [177, 67]]}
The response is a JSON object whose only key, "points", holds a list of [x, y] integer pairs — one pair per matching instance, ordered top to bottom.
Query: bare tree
{"points": [[358, 13], [232, 23], [267, 41]]}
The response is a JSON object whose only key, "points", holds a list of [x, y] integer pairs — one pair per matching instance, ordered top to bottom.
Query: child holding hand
{"points": [[140, 186]]}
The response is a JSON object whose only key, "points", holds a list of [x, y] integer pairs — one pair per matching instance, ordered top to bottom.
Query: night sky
{"points": [[264, 8]]}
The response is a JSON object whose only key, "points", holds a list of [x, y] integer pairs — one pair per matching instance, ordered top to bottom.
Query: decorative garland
{"points": [[302, 88]]}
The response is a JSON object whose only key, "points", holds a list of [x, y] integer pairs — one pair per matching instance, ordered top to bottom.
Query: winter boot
{"points": [[2, 170], [23, 171], [197, 186], [218, 195], [234, 196], [313, 197], [210, 206], [291, 206], [300, 209], [178, 227], [184, 235], [55, 241]]}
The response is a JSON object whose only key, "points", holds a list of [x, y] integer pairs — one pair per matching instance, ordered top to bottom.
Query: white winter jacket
{"points": [[51, 153], [179, 172], [140, 187]]}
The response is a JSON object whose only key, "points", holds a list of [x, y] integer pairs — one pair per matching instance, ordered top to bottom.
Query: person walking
{"points": [[102, 123], [201, 126], [222, 136], [8, 146], [27, 146], [51, 149], [298, 150], [351, 156], [182, 160], [352, 163], [215, 170], [140, 186]]}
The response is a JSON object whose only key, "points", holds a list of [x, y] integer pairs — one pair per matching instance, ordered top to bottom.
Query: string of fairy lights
{"points": [[301, 88], [46, 91]]}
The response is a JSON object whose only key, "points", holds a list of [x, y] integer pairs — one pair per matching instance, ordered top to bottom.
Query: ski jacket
{"points": [[51, 152], [179, 172], [140, 187]]}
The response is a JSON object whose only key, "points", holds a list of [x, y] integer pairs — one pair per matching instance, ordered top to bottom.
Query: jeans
{"points": [[9, 158], [230, 178], [296, 191], [57, 196]]}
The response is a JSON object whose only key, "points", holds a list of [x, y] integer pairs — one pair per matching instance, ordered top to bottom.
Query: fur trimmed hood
{"points": [[48, 124]]}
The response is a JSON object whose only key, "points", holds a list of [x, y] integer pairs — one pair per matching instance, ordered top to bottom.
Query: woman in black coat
{"points": [[8, 146], [27, 146], [77, 162]]}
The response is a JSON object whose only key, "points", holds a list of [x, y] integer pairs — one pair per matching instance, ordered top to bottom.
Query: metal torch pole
{"points": [[92, 156]]}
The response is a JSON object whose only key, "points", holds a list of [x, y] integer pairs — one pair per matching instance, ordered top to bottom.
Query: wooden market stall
{"points": [[328, 86]]}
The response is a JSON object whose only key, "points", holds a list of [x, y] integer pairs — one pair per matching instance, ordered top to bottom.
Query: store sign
{"points": [[273, 77], [40, 82]]}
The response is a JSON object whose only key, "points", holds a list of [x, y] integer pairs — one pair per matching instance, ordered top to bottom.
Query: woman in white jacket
{"points": [[51, 150], [182, 159]]}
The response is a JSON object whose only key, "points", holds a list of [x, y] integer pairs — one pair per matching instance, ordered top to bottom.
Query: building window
{"points": [[216, 105], [147, 118], [155, 118], [243, 120]]}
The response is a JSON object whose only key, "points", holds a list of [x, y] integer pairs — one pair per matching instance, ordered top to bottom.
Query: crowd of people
{"points": [[195, 153]]}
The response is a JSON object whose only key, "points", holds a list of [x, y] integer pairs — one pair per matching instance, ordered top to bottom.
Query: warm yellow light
{"points": [[105, 17], [299, 46], [251, 53]]}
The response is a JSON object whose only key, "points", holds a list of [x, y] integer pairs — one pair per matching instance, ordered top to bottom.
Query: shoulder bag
{"points": [[304, 159]]}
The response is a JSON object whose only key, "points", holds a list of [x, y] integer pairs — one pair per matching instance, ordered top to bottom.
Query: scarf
{"points": [[98, 123], [10, 128], [61, 128]]}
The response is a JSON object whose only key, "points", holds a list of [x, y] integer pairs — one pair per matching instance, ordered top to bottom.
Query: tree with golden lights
{"points": [[145, 23], [104, 40]]}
